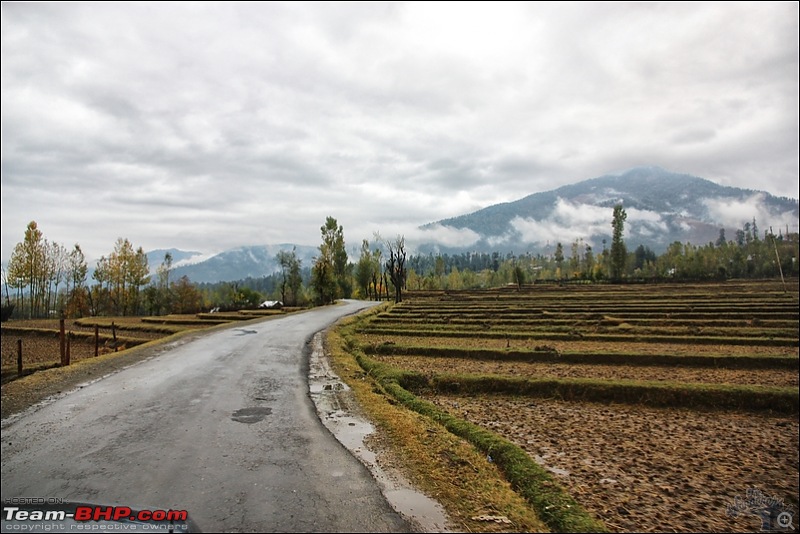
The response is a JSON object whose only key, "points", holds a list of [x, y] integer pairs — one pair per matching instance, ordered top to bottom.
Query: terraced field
{"points": [[92, 336], [654, 406]]}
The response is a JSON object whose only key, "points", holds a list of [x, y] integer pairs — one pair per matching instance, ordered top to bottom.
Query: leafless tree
{"points": [[396, 266]]}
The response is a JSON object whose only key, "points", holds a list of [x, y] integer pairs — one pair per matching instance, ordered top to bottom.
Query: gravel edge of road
{"points": [[337, 409]]}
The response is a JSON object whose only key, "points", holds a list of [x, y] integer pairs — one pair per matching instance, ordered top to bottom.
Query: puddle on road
{"points": [[245, 332], [331, 398], [251, 415]]}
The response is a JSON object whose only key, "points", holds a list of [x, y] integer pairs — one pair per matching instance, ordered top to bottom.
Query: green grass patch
{"points": [[235, 316], [183, 321], [164, 325], [572, 336], [551, 355], [648, 393], [436, 461]]}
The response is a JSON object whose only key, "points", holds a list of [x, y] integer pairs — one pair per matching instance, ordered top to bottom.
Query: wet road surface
{"points": [[221, 426]]}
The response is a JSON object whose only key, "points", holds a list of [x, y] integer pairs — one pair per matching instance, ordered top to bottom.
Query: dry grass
{"points": [[442, 465]]}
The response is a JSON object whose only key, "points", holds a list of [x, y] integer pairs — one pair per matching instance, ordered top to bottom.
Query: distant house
{"points": [[271, 305]]}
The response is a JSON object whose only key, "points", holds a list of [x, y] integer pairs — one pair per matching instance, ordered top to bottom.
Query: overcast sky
{"points": [[213, 125]]}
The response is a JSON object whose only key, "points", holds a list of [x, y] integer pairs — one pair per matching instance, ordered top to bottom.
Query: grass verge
{"points": [[566, 336], [551, 355], [779, 400], [477, 474]]}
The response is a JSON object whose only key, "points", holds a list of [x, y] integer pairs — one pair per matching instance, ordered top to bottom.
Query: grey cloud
{"points": [[386, 113], [693, 136]]}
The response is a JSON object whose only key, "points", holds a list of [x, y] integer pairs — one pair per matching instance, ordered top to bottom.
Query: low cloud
{"points": [[734, 213], [573, 221], [644, 223], [548, 232], [444, 236]]}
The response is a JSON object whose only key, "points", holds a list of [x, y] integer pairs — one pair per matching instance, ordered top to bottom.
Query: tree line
{"points": [[747, 256], [384, 269], [47, 279]]}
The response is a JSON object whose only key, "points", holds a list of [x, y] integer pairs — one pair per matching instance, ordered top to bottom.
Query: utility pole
{"points": [[780, 269]]}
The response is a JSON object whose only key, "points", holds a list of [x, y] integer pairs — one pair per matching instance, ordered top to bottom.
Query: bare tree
{"points": [[396, 266]]}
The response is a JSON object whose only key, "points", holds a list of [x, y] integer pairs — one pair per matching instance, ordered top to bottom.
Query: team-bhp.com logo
{"points": [[775, 515], [83, 517]]}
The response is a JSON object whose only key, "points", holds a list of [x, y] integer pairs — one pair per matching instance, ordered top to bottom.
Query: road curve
{"points": [[221, 426]]}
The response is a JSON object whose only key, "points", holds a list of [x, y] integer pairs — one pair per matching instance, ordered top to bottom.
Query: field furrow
{"points": [[655, 407]]}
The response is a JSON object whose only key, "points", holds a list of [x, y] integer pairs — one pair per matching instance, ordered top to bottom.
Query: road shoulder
{"points": [[337, 409]]}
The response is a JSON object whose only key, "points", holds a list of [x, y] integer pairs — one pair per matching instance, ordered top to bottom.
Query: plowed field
{"points": [[635, 467]]}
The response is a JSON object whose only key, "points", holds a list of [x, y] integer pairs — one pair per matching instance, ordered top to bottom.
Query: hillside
{"points": [[662, 207], [242, 262]]}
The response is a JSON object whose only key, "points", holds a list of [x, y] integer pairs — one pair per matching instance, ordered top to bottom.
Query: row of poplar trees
{"points": [[332, 276], [48, 280]]}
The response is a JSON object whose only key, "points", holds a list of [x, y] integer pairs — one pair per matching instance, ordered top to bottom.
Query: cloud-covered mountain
{"points": [[662, 207], [231, 265]]}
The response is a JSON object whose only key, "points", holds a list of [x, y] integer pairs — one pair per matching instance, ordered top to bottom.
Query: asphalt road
{"points": [[221, 426]]}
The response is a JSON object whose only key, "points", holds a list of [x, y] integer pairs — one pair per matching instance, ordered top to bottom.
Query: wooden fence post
{"points": [[96, 340], [62, 341], [19, 358]]}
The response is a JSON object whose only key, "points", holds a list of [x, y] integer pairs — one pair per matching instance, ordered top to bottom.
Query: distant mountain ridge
{"points": [[662, 207], [231, 265]]}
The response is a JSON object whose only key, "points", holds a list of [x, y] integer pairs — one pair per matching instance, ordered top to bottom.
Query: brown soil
{"points": [[581, 346], [42, 350], [772, 377], [636, 468], [642, 469]]}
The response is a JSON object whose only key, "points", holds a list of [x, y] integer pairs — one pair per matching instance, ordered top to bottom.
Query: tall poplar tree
{"points": [[619, 253], [28, 269], [329, 274]]}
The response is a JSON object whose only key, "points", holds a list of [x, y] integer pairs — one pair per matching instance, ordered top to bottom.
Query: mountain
{"points": [[661, 206], [238, 263]]}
